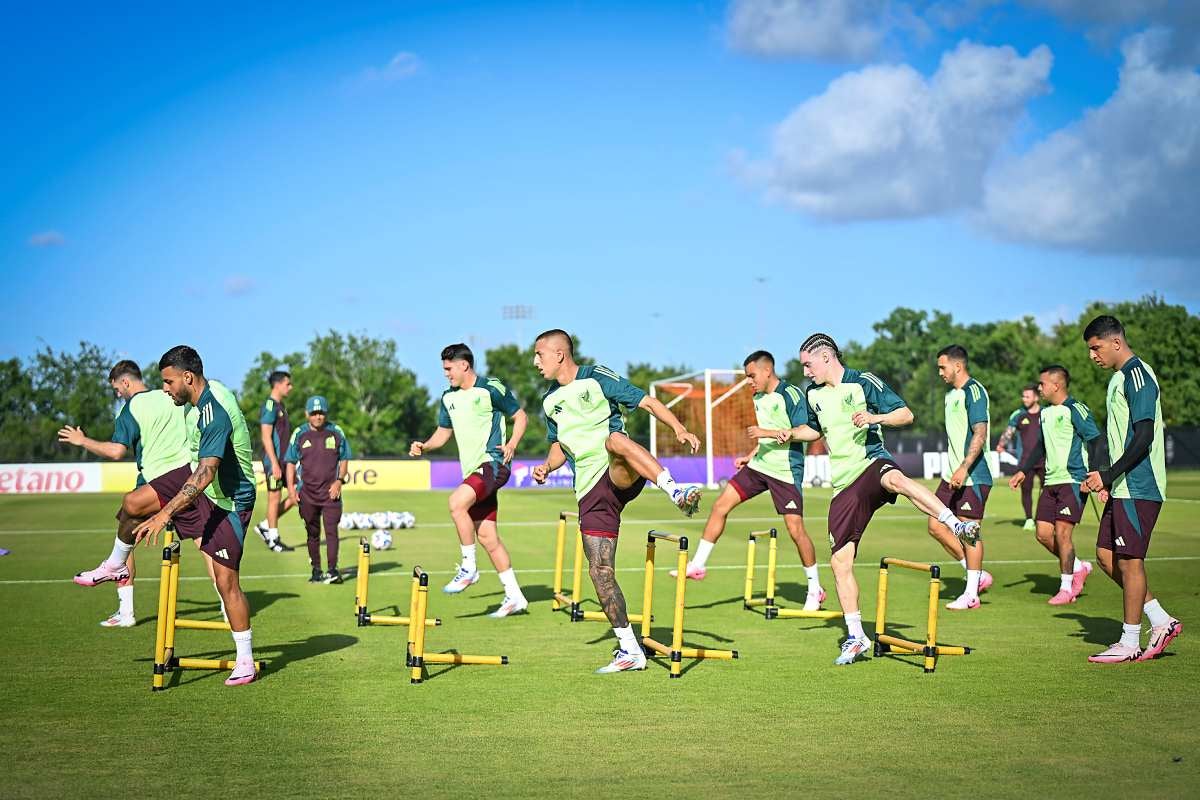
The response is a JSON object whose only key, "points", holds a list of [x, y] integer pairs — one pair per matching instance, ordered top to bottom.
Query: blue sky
{"points": [[674, 182]]}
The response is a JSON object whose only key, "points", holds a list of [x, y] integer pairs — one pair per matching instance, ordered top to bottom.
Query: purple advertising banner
{"points": [[685, 469]]}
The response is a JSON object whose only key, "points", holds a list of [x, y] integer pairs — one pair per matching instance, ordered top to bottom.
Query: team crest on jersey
{"points": [[586, 396], [848, 401], [330, 443]]}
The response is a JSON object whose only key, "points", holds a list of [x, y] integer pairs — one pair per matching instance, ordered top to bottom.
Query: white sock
{"points": [[665, 482], [947, 518], [262, 524], [272, 534], [703, 550], [120, 553], [468, 557], [963, 563], [1078, 565], [508, 579], [973, 582], [1064, 582], [814, 583], [125, 597], [1157, 614], [854, 625], [1131, 635], [627, 639], [242, 640]]}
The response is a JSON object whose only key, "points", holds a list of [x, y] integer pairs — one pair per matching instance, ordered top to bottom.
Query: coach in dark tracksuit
{"points": [[318, 455]]}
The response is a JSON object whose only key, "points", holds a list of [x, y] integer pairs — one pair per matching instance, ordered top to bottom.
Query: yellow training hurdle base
{"points": [[362, 578], [572, 604], [770, 609], [164, 637], [894, 644], [676, 651], [417, 658]]}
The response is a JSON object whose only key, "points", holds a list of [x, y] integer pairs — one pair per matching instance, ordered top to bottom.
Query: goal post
{"points": [[717, 405]]}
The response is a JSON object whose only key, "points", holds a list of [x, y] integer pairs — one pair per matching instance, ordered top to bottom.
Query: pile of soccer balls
{"points": [[381, 522]]}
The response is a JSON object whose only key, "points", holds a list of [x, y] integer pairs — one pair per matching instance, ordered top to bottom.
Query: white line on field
{"points": [[536, 571]]}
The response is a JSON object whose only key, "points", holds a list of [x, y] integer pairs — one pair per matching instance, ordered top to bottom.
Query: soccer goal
{"points": [[715, 404]]}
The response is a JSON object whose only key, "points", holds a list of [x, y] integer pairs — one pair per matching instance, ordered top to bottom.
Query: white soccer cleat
{"points": [[461, 580], [814, 600], [964, 602], [510, 606], [117, 620], [851, 649], [624, 662]]}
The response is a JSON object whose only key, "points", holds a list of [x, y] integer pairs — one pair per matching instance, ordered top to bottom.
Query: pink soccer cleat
{"points": [[693, 573], [102, 574], [1080, 577], [985, 581], [1063, 597], [964, 602], [1160, 637], [1117, 654], [624, 662], [243, 672]]}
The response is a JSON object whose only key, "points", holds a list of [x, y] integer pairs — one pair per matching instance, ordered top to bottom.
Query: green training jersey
{"points": [[1133, 396], [782, 408], [966, 408], [830, 409], [581, 415], [477, 416], [153, 427], [1066, 429], [224, 435]]}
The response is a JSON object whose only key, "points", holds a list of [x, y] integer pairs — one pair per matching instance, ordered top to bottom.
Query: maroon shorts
{"points": [[486, 482], [787, 497], [965, 502], [1060, 503], [852, 507], [600, 509], [1126, 525], [221, 533]]}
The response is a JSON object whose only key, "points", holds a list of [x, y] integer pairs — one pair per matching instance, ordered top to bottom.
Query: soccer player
{"points": [[850, 409], [473, 410], [152, 427], [584, 427], [1067, 427], [1024, 429], [275, 432], [320, 452], [770, 467], [1132, 489], [965, 491], [215, 502]]}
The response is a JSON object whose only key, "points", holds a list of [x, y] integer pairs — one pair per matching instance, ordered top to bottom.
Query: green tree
{"points": [[58, 388]]}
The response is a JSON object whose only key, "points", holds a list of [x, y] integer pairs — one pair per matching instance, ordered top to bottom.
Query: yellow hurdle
{"points": [[361, 580], [572, 603], [771, 610], [168, 622], [885, 643], [675, 651], [416, 658]]}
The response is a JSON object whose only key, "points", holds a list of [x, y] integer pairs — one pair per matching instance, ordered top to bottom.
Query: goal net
{"points": [[715, 404]]}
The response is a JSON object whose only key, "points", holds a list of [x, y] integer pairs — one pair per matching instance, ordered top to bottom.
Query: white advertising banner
{"points": [[49, 478]]}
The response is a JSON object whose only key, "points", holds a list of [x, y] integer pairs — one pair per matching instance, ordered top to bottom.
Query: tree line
{"points": [[379, 402]]}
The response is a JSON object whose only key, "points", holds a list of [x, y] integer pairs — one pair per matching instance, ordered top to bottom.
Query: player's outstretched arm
{"points": [[666, 417], [900, 417], [520, 422], [800, 433], [439, 438], [110, 450], [201, 477]]}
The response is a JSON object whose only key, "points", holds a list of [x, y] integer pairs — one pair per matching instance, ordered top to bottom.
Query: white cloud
{"points": [[1107, 20], [833, 30], [402, 65], [885, 141], [1121, 179], [47, 239], [238, 285]]}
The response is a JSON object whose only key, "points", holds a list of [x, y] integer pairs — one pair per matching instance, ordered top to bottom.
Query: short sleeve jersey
{"points": [[1133, 396], [784, 407], [965, 408], [830, 409], [274, 413], [477, 415], [581, 415], [1026, 425], [153, 427], [1066, 429], [224, 435], [316, 454]]}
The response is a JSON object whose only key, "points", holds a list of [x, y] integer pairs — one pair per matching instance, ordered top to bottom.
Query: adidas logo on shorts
{"points": [[790, 504], [965, 506], [1066, 512], [1120, 541], [222, 553]]}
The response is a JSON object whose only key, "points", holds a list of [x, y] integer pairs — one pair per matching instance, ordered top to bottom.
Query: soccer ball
{"points": [[394, 519], [380, 520], [406, 520], [361, 521], [346, 523], [381, 540]]}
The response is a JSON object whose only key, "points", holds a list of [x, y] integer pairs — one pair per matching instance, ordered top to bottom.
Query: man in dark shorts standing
{"points": [[850, 409], [473, 410], [584, 427], [1024, 428], [1068, 430], [275, 433], [320, 453], [771, 467], [1132, 490], [214, 503]]}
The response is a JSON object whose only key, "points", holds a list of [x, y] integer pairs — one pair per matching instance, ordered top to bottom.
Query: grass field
{"points": [[334, 713]]}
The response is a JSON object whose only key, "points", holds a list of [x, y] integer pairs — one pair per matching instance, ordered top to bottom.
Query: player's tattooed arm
{"points": [[1005, 438], [978, 442], [199, 480], [602, 559]]}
